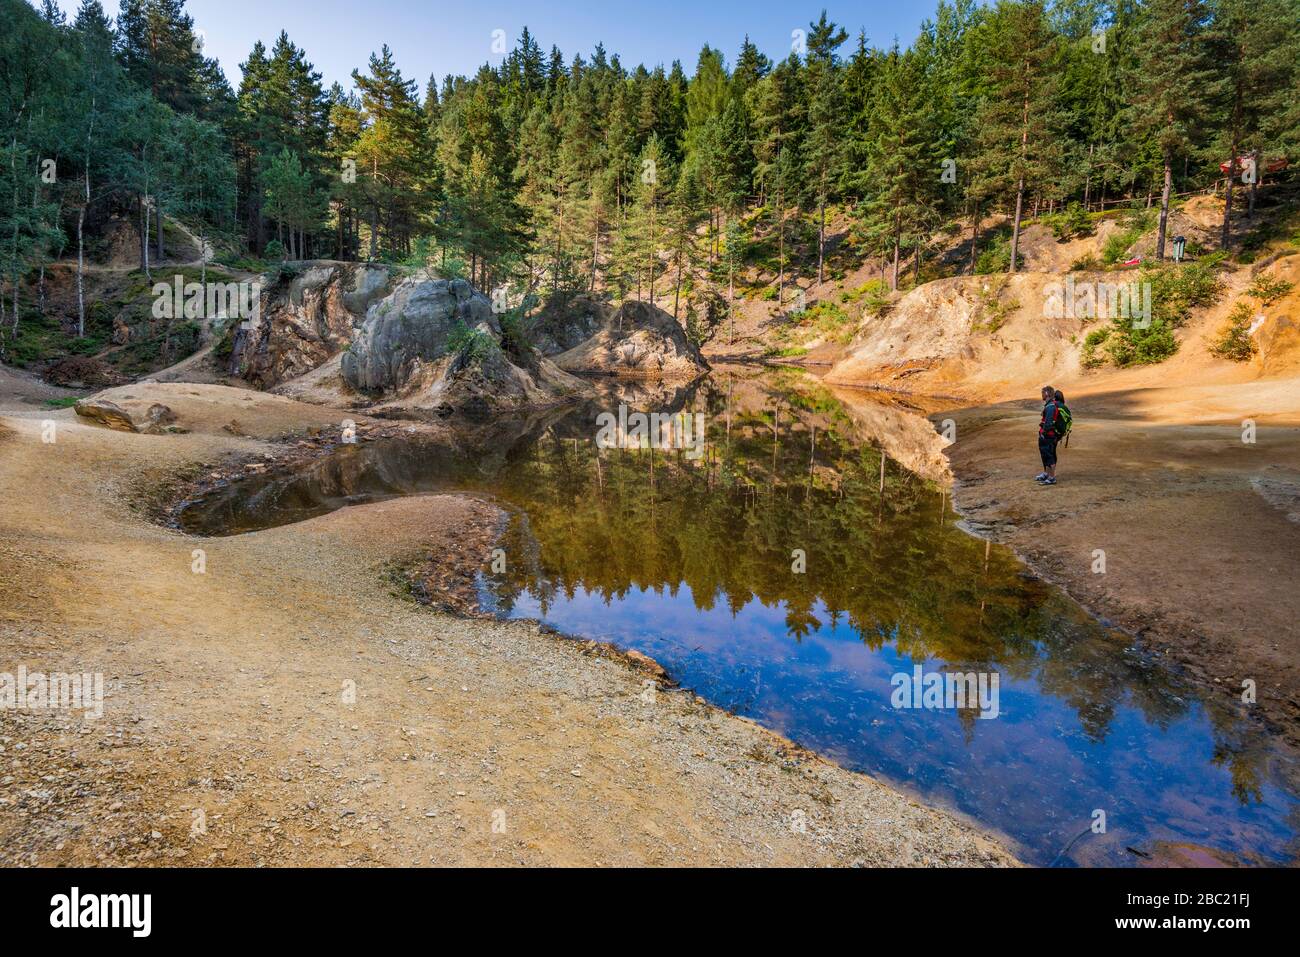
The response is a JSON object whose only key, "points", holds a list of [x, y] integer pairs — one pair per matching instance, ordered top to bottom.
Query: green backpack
{"points": [[1067, 420]]}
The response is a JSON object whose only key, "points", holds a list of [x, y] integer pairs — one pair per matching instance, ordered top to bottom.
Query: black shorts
{"points": [[1047, 449]]}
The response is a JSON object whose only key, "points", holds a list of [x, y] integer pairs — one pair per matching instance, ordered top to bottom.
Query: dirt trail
{"points": [[228, 736]]}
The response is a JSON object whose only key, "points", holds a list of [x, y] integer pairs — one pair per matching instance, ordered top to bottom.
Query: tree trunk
{"points": [[1020, 183], [1254, 184], [1164, 208], [145, 220], [1015, 226], [780, 233], [821, 242], [81, 264], [677, 292]]}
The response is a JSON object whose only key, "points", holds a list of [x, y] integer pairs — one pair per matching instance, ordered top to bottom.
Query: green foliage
{"points": [[586, 174], [1073, 223], [1135, 225], [996, 256], [453, 267], [1177, 289], [1269, 289], [517, 335], [1234, 341], [1094, 342], [470, 346]]}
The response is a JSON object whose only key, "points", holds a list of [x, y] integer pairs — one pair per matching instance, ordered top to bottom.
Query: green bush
{"points": [[1073, 223], [1133, 226], [995, 258], [1177, 289], [1268, 290], [517, 334], [1234, 341], [1092, 342], [470, 346], [1134, 347]]}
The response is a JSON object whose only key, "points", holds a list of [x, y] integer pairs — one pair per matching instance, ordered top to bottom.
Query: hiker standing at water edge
{"points": [[1050, 430]]}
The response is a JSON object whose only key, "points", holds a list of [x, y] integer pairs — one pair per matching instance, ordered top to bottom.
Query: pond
{"points": [[778, 561]]}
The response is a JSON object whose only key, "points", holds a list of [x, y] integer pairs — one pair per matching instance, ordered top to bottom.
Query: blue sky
{"points": [[429, 36]]}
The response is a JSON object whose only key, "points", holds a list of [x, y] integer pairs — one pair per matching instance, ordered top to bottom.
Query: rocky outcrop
{"points": [[306, 317], [568, 321], [410, 327], [637, 341], [434, 347], [477, 384], [150, 419]]}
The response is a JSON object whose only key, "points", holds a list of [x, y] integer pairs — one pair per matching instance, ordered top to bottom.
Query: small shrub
{"points": [[1073, 223], [1134, 225], [274, 250], [995, 258], [453, 267], [1268, 289], [1176, 290], [517, 334], [1234, 341], [1092, 342], [470, 346], [1140, 346]]}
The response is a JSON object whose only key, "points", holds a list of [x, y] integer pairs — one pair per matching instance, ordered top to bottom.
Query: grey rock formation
{"points": [[304, 318], [568, 321], [410, 327], [638, 341], [131, 417]]}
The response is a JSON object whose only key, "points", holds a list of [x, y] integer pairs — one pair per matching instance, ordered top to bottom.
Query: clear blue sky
{"points": [[428, 36]]}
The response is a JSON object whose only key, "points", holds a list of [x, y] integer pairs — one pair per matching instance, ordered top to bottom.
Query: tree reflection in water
{"points": [[691, 560]]}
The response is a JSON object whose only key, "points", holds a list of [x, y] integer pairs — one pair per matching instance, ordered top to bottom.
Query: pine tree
{"points": [[156, 43], [1254, 52], [1172, 83], [1017, 147], [823, 152], [394, 153], [900, 163]]}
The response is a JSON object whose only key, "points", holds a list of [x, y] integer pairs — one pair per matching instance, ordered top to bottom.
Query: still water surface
{"points": [[773, 575]]}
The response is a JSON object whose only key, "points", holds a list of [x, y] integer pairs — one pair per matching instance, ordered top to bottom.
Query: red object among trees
{"points": [[1241, 163]]}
